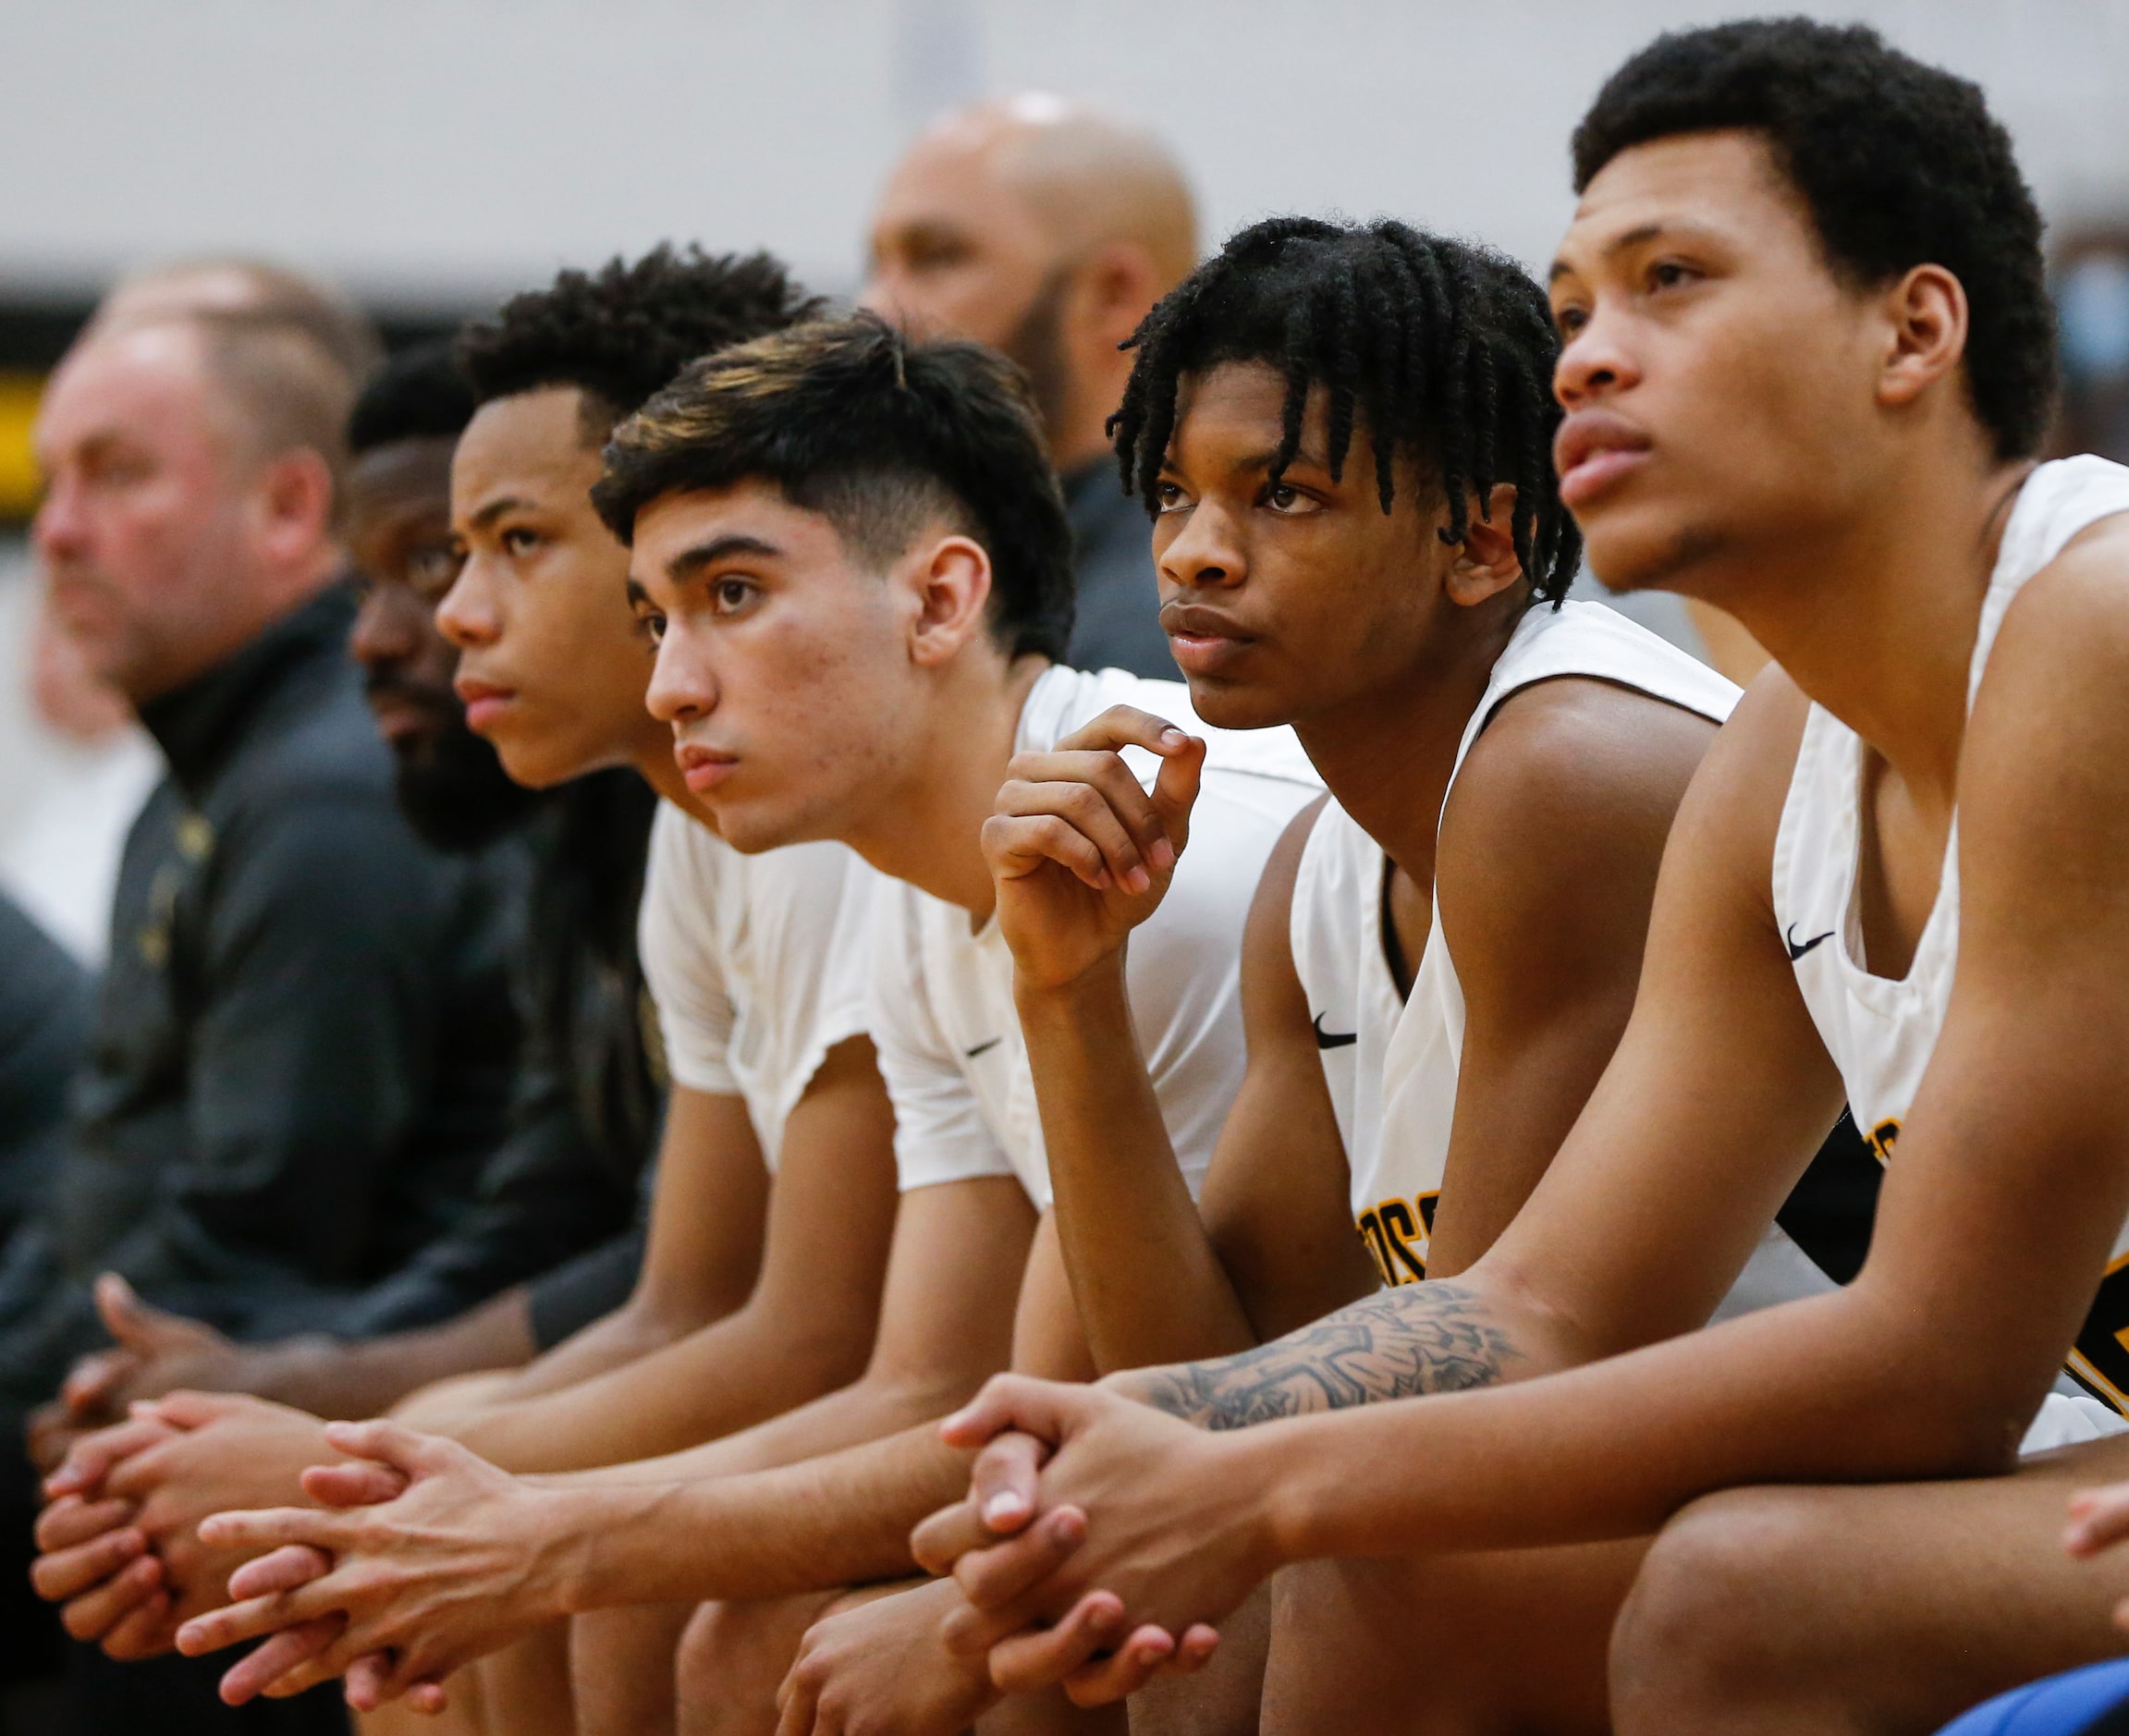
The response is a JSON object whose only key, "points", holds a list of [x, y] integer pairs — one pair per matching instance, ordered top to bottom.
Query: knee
{"points": [[1717, 1614], [731, 1660]]}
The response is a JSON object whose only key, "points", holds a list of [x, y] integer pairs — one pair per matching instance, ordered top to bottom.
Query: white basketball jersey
{"points": [[1880, 1031], [1391, 1062]]}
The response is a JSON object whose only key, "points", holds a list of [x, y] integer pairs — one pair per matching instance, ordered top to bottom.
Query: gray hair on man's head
{"points": [[250, 288]]}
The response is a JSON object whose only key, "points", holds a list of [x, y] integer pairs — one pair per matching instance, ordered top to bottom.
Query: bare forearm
{"points": [[1148, 1281], [632, 1330], [1448, 1336], [744, 1370], [366, 1377], [1813, 1391], [869, 1410], [840, 1520]]}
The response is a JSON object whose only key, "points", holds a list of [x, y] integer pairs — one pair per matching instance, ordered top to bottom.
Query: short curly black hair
{"points": [[1900, 164], [620, 333], [1443, 349], [418, 393], [878, 434]]}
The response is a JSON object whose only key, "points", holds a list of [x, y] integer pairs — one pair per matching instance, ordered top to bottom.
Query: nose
{"points": [[873, 296], [1595, 361], [58, 529], [1203, 551], [467, 616], [385, 628], [682, 688]]}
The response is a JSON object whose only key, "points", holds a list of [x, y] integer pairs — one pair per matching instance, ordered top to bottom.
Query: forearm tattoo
{"points": [[1416, 1339]]}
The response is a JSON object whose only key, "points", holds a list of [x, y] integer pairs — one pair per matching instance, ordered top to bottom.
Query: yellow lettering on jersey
{"points": [[1882, 1138], [1396, 1233]]}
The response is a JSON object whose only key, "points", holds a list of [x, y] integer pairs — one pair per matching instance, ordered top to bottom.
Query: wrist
{"points": [[1094, 991], [288, 1371], [1276, 1510], [584, 1530], [594, 1540]]}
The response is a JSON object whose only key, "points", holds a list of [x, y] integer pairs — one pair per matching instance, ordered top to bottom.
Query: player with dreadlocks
{"points": [[1343, 433]]}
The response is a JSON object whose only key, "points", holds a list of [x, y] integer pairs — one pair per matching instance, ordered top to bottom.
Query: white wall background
{"points": [[446, 148]]}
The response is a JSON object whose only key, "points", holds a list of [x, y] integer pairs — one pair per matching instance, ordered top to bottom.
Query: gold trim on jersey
{"points": [[1396, 1234]]}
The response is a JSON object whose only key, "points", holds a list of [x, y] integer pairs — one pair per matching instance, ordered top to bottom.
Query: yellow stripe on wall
{"points": [[19, 478]]}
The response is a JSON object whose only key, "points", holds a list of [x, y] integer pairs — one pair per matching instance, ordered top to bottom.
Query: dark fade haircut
{"points": [[1900, 164], [620, 333], [1443, 350], [418, 394], [880, 435]]}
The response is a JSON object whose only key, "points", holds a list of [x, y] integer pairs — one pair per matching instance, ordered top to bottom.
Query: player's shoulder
{"points": [[2074, 613], [2052, 687], [1569, 748], [1576, 779]]}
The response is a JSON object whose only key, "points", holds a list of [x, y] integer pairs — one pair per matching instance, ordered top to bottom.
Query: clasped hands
{"points": [[418, 1557]]}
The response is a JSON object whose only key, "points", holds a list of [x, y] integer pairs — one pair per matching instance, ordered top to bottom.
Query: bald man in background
{"points": [[1048, 229]]}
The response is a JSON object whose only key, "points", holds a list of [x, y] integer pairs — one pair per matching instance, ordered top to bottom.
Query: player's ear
{"points": [[1926, 316], [1486, 563], [950, 585]]}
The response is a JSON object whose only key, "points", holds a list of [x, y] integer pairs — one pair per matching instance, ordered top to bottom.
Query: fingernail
{"points": [[1172, 738], [1163, 854], [1137, 880], [1003, 1507]]}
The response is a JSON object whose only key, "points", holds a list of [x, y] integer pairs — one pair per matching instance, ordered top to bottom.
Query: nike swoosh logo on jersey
{"points": [[1795, 951], [1333, 1039], [983, 1049]]}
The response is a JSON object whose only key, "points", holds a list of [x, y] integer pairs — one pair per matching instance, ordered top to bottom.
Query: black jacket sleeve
{"points": [[313, 1000], [44, 1021]]}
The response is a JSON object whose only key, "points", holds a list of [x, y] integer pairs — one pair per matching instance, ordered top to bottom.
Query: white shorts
{"points": [[2065, 1421]]}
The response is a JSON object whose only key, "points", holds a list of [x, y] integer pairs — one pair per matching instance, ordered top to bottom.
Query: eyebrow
{"points": [[1639, 235], [1304, 454], [496, 510], [690, 561]]}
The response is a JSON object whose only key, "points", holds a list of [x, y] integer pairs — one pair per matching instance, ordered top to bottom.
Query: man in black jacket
{"points": [[305, 1041], [554, 1240]]}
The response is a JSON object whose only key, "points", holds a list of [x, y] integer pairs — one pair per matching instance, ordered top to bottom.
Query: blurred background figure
{"points": [[1047, 230], [253, 288], [75, 766], [45, 1015], [305, 1043], [557, 1200]]}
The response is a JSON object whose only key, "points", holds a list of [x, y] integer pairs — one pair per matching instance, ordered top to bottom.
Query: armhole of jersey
{"points": [[1312, 841]]}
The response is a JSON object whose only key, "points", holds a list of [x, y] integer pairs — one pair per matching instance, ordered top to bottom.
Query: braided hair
{"points": [[1445, 349]]}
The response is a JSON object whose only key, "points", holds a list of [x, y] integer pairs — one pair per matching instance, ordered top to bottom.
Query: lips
{"points": [[1593, 449], [1202, 641], [484, 702], [404, 712], [704, 768]]}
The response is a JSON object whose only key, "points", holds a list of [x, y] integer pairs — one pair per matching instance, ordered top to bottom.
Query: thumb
{"points": [[1175, 789], [137, 1326], [92, 1382], [184, 1408], [1046, 1409], [393, 1444], [361, 1483]]}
